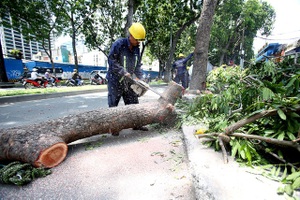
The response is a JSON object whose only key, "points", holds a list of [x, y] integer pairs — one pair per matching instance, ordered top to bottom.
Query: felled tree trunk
{"points": [[45, 144]]}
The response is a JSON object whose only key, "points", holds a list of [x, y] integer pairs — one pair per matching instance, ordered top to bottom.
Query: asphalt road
{"points": [[38, 109], [34, 111], [135, 165]]}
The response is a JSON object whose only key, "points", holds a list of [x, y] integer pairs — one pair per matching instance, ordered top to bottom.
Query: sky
{"points": [[287, 23]]}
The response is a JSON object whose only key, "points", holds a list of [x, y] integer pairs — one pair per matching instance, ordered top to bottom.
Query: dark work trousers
{"points": [[184, 78], [116, 90]]}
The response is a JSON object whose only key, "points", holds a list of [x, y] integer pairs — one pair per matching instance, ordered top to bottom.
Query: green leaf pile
{"points": [[239, 94], [18, 173]]}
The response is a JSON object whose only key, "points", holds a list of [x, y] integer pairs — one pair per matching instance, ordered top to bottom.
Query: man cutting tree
{"points": [[124, 62]]}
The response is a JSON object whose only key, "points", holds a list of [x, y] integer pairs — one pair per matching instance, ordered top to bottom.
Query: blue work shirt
{"points": [[121, 60], [180, 64]]}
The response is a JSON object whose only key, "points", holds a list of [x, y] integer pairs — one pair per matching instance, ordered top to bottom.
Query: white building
{"points": [[11, 39]]}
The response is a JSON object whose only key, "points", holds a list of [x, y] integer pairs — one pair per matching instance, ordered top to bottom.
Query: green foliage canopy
{"points": [[236, 22]]}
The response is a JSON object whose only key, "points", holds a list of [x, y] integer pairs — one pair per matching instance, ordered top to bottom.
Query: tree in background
{"points": [[132, 6], [76, 13], [153, 14], [34, 19], [165, 21], [109, 23], [170, 25], [235, 25], [105, 27], [51, 28], [186, 42], [16, 53], [3, 75], [198, 79]]}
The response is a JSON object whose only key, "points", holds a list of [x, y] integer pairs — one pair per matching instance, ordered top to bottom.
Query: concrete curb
{"points": [[215, 180]]}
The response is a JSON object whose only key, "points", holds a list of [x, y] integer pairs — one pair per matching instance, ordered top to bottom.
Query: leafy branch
{"points": [[253, 112]]}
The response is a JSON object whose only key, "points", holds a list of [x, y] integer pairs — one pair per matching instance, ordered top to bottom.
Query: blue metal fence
{"points": [[14, 69]]}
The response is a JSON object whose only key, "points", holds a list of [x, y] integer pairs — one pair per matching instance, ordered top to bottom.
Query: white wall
{"points": [[94, 58]]}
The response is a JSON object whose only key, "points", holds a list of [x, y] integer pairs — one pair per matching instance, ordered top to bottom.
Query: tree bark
{"points": [[129, 17], [3, 76], [198, 81], [45, 144]]}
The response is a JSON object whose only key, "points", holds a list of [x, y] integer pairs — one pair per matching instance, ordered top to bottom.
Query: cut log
{"points": [[45, 144]]}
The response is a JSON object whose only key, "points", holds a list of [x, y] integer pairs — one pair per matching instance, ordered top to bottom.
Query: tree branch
{"points": [[230, 129], [269, 140], [277, 142], [225, 157]]}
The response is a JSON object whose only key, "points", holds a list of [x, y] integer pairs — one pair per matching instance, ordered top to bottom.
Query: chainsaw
{"points": [[140, 87]]}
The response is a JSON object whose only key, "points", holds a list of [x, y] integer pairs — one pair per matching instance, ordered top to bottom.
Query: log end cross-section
{"points": [[52, 156]]}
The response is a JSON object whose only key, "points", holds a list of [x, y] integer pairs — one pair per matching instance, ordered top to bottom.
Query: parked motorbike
{"points": [[96, 78], [97, 81], [72, 82], [55, 83]]}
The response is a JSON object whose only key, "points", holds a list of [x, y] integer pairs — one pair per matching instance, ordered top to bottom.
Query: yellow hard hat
{"points": [[138, 31], [181, 55]]}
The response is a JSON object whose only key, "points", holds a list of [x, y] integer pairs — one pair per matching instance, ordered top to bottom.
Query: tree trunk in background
{"points": [[129, 17], [74, 48], [161, 68], [168, 74], [3, 76], [198, 81], [45, 144]]}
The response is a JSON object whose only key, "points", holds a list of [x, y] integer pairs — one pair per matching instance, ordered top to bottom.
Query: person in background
{"points": [[124, 62], [25, 72], [181, 72], [24, 75], [36, 76], [49, 76], [76, 77], [99, 78], [148, 78]]}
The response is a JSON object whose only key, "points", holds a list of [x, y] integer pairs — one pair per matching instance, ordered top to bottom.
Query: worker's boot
{"points": [[141, 128], [114, 132], [117, 133]]}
